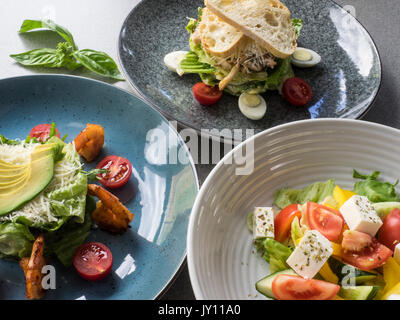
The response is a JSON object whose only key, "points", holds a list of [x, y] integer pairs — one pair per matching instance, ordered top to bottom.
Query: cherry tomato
{"points": [[297, 92], [206, 95], [42, 132], [120, 170], [327, 221], [283, 222], [389, 234], [363, 251], [93, 261], [289, 287]]}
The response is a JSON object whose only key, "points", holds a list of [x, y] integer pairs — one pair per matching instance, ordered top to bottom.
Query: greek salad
{"points": [[327, 243]]}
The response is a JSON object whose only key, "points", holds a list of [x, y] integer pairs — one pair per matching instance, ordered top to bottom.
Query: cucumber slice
{"points": [[384, 208], [360, 276], [264, 286], [358, 293]]}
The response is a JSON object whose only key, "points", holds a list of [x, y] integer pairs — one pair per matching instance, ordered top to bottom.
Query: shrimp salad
{"points": [[48, 207]]}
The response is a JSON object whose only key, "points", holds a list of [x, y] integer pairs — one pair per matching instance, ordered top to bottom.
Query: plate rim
{"points": [[212, 135], [195, 210], [181, 264]]}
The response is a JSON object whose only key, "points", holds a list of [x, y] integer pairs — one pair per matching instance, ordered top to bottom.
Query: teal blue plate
{"points": [[160, 192]]}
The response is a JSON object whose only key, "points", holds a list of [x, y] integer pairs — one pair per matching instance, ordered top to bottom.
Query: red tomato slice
{"points": [[297, 92], [205, 94], [42, 132], [120, 170], [327, 221], [283, 222], [389, 234], [368, 254], [93, 261], [289, 287]]}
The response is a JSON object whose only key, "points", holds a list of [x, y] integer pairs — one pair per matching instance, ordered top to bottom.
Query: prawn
{"points": [[90, 141], [110, 214], [32, 268]]}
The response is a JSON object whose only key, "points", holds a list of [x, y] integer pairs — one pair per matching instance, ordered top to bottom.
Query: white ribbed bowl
{"points": [[221, 258]]}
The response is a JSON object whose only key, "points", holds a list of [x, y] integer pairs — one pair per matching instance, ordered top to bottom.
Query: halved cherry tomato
{"points": [[297, 91], [205, 94], [42, 132], [120, 170], [326, 220], [283, 222], [389, 234], [363, 251], [93, 261], [289, 287]]}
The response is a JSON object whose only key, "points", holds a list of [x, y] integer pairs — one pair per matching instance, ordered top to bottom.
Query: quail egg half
{"points": [[305, 58], [173, 59], [253, 106]]}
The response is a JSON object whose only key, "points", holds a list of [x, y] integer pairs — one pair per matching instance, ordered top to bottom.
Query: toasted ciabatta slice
{"points": [[266, 21], [217, 37]]}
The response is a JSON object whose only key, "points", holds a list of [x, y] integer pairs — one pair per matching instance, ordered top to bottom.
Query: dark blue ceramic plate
{"points": [[344, 84], [161, 195]]}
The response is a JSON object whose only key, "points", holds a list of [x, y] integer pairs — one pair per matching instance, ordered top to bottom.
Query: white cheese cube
{"points": [[360, 215], [263, 223], [397, 253], [310, 255], [393, 297]]}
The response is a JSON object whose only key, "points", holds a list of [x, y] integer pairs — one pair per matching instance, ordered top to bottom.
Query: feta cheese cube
{"points": [[360, 215], [263, 223], [397, 253], [310, 255], [393, 297]]}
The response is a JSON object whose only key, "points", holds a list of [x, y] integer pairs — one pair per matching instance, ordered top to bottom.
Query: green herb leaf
{"points": [[28, 25], [297, 25], [45, 57], [98, 62], [92, 174]]}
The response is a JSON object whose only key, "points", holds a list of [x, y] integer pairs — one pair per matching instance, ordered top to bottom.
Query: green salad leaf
{"points": [[298, 26], [279, 74], [4, 140], [375, 190], [316, 192], [15, 240], [64, 242], [276, 254]]}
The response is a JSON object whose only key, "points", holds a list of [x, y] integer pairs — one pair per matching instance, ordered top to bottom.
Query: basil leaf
{"points": [[28, 25], [38, 57], [98, 62]]}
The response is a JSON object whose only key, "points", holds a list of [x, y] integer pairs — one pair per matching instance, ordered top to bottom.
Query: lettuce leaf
{"points": [[297, 25], [375, 190], [316, 192], [15, 240], [64, 242], [276, 254]]}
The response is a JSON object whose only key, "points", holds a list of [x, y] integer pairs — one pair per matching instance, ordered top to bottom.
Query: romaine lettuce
{"points": [[316, 192], [15, 240]]}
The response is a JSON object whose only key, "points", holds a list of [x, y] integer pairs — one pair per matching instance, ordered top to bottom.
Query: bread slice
{"points": [[265, 21], [217, 37]]}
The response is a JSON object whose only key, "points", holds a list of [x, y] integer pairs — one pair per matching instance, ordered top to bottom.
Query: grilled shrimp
{"points": [[90, 141], [110, 214], [32, 268]]}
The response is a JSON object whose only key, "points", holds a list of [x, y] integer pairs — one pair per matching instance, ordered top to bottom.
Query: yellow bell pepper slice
{"points": [[341, 195], [337, 249], [327, 273], [391, 274], [394, 290], [338, 298]]}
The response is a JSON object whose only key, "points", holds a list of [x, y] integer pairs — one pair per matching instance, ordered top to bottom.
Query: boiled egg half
{"points": [[305, 58], [173, 59], [253, 106]]}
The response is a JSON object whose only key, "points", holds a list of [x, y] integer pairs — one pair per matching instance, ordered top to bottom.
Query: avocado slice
{"points": [[39, 172]]}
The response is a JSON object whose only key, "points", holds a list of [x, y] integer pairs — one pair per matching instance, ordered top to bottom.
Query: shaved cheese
{"points": [[17, 154]]}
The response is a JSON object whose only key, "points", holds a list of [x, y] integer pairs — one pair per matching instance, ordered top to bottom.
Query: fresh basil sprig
{"points": [[66, 55]]}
